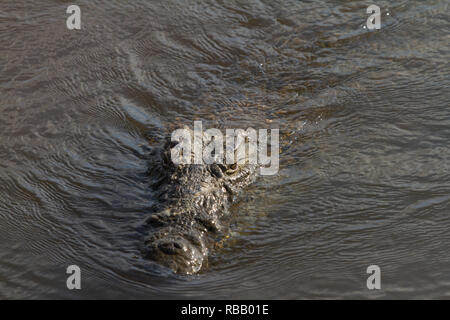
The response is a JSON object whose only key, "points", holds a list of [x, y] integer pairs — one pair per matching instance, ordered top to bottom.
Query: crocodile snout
{"points": [[175, 252]]}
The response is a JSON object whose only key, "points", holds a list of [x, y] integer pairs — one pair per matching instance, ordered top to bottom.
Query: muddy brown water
{"points": [[364, 173]]}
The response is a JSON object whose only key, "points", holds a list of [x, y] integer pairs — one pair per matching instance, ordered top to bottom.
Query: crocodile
{"points": [[192, 209]]}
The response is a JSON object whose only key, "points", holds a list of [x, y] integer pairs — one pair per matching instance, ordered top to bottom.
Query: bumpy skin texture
{"points": [[192, 211]]}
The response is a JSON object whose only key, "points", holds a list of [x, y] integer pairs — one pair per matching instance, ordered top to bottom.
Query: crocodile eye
{"points": [[172, 144], [166, 159], [231, 169], [216, 170]]}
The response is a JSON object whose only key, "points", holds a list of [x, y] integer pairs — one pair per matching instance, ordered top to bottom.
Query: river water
{"points": [[364, 122]]}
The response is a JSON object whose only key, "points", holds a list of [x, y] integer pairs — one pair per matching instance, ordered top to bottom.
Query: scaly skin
{"points": [[193, 209]]}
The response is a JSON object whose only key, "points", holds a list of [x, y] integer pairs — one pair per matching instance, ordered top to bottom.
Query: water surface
{"points": [[365, 122]]}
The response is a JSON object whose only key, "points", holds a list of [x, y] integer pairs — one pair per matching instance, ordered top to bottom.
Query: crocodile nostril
{"points": [[177, 245], [171, 247], [167, 248]]}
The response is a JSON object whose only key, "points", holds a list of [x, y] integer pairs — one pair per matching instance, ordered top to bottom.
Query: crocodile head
{"points": [[192, 211]]}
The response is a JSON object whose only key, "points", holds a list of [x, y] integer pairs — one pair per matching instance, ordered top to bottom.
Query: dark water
{"points": [[364, 176]]}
